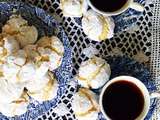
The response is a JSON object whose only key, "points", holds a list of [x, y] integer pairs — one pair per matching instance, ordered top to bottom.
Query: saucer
{"points": [[127, 19], [123, 21], [46, 25], [122, 65]]}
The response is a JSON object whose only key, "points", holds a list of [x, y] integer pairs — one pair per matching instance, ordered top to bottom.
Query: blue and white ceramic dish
{"points": [[127, 19], [123, 21], [46, 25], [126, 66]]}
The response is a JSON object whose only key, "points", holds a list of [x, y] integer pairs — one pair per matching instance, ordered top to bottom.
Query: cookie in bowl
{"points": [[73, 8], [14, 24], [97, 27], [19, 28], [8, 45], [51, 50], [32, 52], [93, 73], [43, 89], [13, 99], [85, 105], [15, 108]]}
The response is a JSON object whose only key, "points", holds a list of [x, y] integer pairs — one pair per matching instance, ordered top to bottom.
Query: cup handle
{"points": [[137, 6], [155, 95]]}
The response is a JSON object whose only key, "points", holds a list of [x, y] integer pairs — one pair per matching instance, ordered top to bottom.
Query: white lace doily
{"points": [[141, 43]]}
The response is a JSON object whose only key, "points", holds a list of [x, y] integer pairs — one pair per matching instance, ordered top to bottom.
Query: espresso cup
{"points": [[122, 8], [125, 97]]}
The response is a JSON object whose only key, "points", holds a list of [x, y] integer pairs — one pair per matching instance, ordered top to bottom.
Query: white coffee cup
{"points": [[128, 4], [140, 85]]}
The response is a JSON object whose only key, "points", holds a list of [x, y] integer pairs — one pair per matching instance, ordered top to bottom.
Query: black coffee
{"points": [[108, 5], [123, 101]]}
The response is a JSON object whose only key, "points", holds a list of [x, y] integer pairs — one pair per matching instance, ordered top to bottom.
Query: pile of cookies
{"points": [[25, 66]]}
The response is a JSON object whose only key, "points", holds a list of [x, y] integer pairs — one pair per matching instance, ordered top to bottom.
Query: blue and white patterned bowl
{"points": [[46, 25], [122, 65]]}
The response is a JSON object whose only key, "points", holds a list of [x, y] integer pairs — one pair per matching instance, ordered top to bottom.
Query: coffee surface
{"points": [[108, 5], [123, 100]]}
